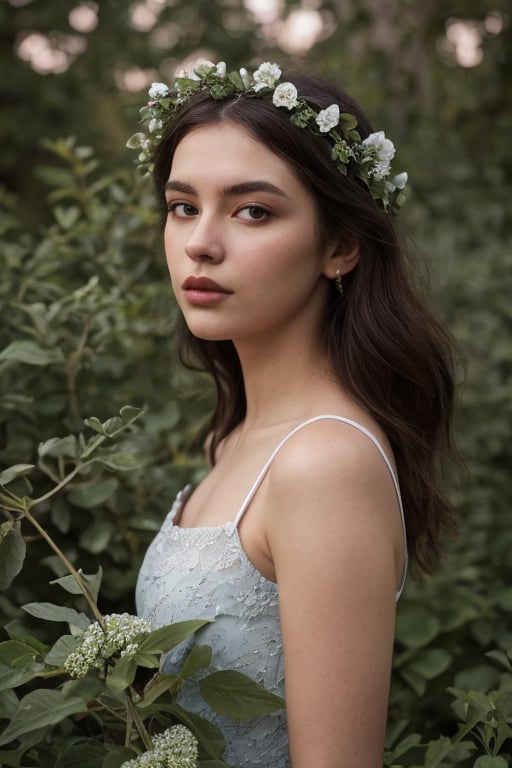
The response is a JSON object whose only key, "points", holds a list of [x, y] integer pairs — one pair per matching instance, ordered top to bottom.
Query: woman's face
{"points": [[241, 239]]}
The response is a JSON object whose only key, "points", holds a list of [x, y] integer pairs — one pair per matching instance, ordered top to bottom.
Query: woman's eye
{"points": [[182, 210], [253, 213]]}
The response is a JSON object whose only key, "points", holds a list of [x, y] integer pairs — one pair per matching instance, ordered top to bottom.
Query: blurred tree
{"points": [[73, 67]]}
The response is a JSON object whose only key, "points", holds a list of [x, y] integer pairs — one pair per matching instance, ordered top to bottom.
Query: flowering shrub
{"points": [[85, 314], [119, 635], [103, 657], [175, 747]]}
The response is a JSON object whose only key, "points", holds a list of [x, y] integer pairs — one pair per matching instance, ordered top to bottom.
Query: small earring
{"points": [[339, 283]]}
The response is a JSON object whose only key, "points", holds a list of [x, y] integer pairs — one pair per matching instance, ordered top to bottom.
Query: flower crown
{"points": [[368, 159]]}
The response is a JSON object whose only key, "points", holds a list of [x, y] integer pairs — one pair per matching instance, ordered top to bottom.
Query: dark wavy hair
{"points": [[384, 345]]}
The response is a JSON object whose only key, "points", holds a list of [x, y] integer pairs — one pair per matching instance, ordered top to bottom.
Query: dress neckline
{"points": [[185, 494]]}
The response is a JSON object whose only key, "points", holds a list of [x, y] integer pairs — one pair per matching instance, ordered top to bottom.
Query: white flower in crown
{"points": [[205, 66], [220, 69], [183, 73], [266, 75], [246, 78], [158, 90], [285, 95], [328, 118], [155, 125], [138, 141], [382, 151], [397, 182]]}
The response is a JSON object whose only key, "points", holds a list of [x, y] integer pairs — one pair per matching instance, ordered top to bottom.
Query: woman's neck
{"points": [[276, 377]]}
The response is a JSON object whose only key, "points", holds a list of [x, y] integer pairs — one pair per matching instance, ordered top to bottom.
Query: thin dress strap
{"points": [[370, 436]]}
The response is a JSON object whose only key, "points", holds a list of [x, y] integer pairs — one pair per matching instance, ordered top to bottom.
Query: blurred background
{"points": [[436, 74], [87, 315]]}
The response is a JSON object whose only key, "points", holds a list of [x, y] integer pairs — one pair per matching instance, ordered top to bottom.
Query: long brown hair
{"points": [[386, 348]]}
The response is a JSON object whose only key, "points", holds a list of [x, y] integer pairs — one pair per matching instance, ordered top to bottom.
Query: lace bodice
{"points": [[195, 573]]}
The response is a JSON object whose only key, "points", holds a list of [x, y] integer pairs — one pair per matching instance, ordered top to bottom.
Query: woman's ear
{"points": [[341, 257]]}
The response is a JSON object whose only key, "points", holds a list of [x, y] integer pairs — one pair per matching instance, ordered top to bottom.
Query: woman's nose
{"points": [[205, 242]]}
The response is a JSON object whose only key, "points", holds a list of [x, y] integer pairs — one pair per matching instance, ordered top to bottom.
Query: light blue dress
{"points": [[204, 573]]}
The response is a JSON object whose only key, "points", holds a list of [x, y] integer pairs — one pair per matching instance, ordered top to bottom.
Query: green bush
{"points": [[87, 331]]}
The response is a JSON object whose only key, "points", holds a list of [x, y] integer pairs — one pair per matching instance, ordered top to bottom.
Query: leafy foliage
{"points": [[87, 329], [106, 707]]}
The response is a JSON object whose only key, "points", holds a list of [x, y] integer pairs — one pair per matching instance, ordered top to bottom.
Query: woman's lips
{"points": [[202, 290]]}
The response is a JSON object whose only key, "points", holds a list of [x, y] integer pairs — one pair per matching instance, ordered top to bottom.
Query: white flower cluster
{"points": [[266, 76], [285, 95], [328, 118], [381, 151], [368, 159], [120, 636], [175, 747]]}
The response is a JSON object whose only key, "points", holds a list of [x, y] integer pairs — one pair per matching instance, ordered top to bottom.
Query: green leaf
{"points": [[235, 78], [348, 120], [55, 177], [67, 217], [26, 351], [130, 413], [95, 424], [116, 424], [113, 425], [59, 446], [122, 461], [17, 470], [91, 494], [97, 536], [12, 555], [70, 584], [51, 612], [416, 626], [163, 639], [13, 650], [57, 655], [199, 658], [501, 658], [147, 660], [431, 662], [122, 674], [11, 678], [159, 684], [86, 688], [236, 696], [8, 704], [39, 709], [208, 735], [408, 743], [437, 751], [86, 753], [10, 758], [115, 758], [485, 761]]}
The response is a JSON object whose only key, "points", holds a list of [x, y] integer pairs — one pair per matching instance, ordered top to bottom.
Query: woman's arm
{"points": [[335, 535]]}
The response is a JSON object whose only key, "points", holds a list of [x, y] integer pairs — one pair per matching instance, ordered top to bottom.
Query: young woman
{"points": [[333, 384]]}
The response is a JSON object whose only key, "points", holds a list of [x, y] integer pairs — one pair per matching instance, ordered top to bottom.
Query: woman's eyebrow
{"points": [[180, 186], [244, 187]]}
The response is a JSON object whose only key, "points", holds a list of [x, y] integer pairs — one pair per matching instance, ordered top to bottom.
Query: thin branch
{"points": [[72, 570]]}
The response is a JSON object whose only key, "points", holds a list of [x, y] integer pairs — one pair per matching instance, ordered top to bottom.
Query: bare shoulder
{"points": [[330, 453], [331, 489], [334, 533]]}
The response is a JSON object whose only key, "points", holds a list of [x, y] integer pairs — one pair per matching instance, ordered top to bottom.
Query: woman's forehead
{"points": [[230, 152]]}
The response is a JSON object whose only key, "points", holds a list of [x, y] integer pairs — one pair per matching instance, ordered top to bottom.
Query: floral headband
{"points": [[368, 159]]}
